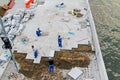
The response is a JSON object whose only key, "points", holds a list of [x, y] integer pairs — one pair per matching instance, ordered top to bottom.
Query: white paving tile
{"points": [[30, 55], [37, 60], [75, 73]]}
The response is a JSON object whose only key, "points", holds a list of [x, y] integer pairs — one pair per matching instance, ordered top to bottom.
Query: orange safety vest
{"points": [[28, 3]]}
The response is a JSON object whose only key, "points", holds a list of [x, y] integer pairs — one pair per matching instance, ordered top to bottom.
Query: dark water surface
{"points": [[106, 15]]}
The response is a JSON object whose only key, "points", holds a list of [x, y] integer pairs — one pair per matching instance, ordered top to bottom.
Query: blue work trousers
{"points": [[51, 68]]}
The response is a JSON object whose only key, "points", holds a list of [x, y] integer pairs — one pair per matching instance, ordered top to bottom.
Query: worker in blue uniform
{"points": [[38, 32], [59, 41], [35, 51], [51, 65]]}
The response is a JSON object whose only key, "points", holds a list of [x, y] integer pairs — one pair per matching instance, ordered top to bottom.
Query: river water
{"points": [[106, 15]]}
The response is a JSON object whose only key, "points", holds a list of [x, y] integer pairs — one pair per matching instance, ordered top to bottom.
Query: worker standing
{"points": [[59, 41], [35, 51], [51, 65]]}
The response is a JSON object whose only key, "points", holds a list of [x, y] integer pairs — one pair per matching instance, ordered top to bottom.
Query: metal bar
{"points": [[3, 33], [14, 61]]}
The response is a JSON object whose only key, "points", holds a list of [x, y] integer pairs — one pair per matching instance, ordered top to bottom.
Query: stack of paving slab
{"points": [[54, 21]]}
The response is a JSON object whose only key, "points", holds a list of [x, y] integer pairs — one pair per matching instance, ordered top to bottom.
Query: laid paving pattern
{"points": [[54, 21]]}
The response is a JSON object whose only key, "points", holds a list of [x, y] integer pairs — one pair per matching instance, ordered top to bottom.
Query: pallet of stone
{"points": [[2, 11]]}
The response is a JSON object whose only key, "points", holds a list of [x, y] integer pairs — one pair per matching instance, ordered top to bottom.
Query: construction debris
{"points": [[76, 12], [79, 15], [13, 23]]}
